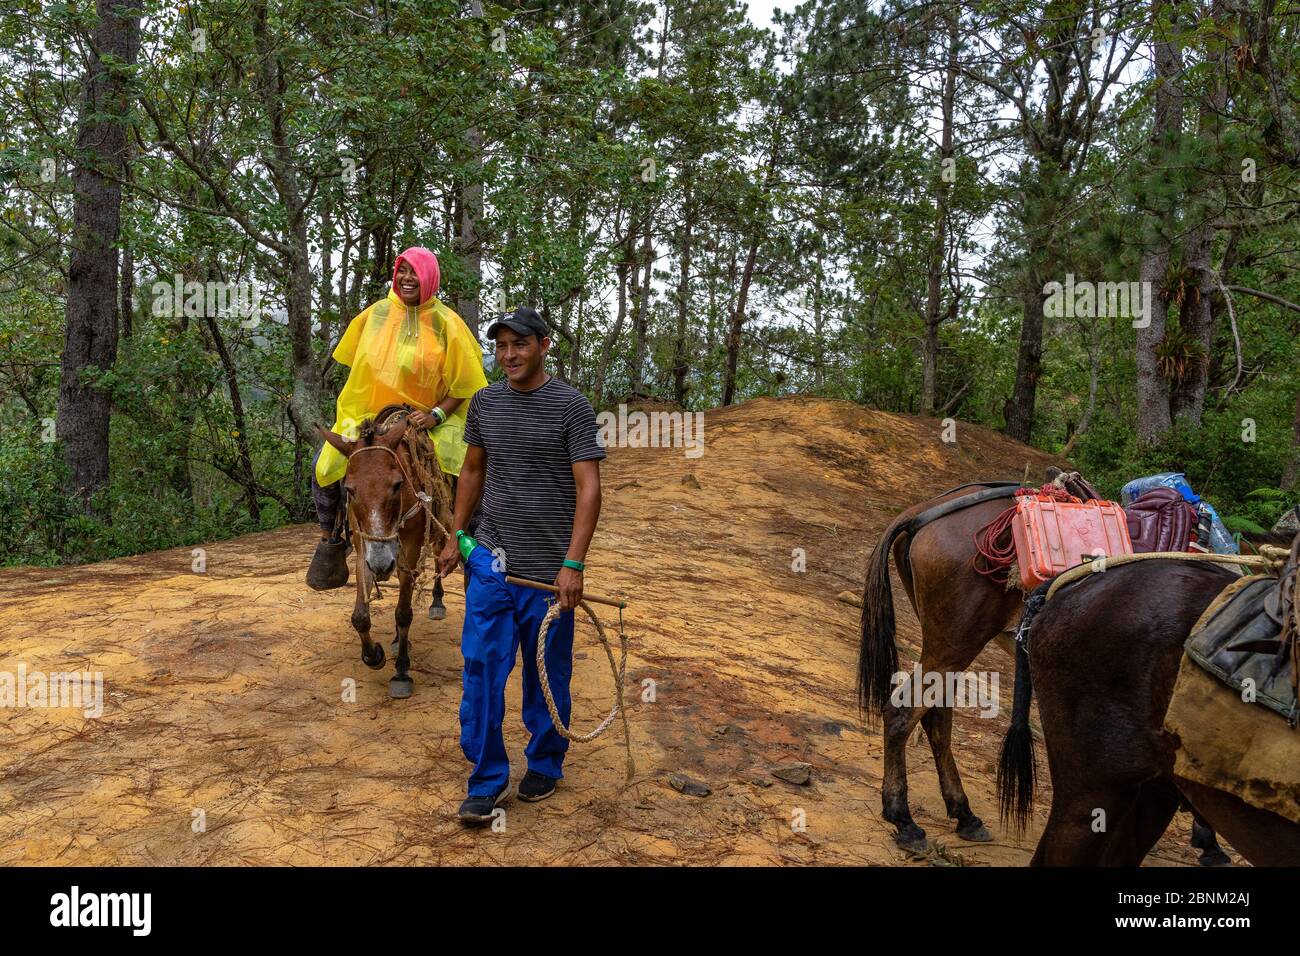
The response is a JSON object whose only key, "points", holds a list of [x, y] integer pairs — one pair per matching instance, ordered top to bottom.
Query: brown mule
{"points": [[394, 522], [960, 611], [1103, 656]]}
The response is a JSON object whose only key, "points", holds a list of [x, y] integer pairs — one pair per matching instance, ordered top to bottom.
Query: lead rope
{"points": [[618, 670]]}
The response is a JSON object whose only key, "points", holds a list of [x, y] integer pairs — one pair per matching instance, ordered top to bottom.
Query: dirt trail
{"points": [[223, 690]]}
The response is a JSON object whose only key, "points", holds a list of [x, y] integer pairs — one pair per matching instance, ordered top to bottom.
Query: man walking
{"points": [[533, 464]]}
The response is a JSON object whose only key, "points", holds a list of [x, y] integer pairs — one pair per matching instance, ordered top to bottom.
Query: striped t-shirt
{"points": [[532, 440]]}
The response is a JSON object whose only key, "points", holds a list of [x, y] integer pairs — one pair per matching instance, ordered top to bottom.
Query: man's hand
{"points": [[422, 419], [448, 558], [569, 582]]}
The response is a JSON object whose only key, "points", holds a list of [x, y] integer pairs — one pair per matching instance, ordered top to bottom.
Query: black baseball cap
{"points": [[523, 320]]}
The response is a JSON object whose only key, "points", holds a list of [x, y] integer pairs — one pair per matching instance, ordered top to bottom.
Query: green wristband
{"points": [[439, 414], [576, 565]]}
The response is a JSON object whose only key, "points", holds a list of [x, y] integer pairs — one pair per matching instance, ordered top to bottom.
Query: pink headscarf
{"points": [[425, 264]]}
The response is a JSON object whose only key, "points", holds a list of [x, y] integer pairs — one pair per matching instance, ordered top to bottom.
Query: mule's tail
{"points": [[877, 653], [1017, 770]]}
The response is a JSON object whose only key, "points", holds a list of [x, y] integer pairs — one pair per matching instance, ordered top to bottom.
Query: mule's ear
{"points": [[343, 445], [1052, 473]]}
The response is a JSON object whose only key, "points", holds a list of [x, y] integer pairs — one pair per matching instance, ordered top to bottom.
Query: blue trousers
{"points": [[501, 620]]}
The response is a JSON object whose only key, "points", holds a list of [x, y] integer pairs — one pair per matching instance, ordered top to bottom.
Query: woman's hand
{"points": [[422, 419]]}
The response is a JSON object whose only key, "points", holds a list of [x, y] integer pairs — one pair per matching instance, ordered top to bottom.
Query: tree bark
{"points": [[471, 214], [627, 271], [640, 308], [934, 314], [1196, 316], [737, 319], [90, 337], [681, 365], [305, 401], [1153, 412], [244, 473], [1291, 474]]}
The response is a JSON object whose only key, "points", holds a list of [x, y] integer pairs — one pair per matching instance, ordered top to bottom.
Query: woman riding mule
{"points": [[406, 349]]}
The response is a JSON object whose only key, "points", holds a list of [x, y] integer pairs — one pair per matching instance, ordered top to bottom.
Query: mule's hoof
{"points": [[437, 612], [376, 662], [399, 688], [975, 831], [912, 839], [1215, 857]]}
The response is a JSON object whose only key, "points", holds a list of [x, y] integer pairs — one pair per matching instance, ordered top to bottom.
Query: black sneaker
{"points": [[536, 786], [479, 809]]}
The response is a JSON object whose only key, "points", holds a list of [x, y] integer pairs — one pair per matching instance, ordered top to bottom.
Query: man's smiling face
{"points": [[520, 355]]}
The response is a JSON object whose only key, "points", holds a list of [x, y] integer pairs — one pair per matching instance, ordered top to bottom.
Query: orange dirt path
{"points": [[223, 690]]}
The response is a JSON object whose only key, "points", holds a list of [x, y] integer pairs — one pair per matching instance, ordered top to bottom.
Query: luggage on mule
{"points": [[1161, 520], [1052, 533], [1220, 539], [1234, 708]]}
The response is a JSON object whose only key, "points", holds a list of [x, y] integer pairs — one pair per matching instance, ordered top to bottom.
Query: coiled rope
{"points": [[995, 545], [618, 670]]}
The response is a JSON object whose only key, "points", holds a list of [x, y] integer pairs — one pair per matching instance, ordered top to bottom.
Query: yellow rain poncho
{"points": [[416, 355]]}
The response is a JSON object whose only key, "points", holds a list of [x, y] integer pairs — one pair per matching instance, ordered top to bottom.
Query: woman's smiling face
{"points": [[408, 284]]}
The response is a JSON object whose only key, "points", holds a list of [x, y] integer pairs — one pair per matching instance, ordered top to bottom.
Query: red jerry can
{"points": [[1053, 535]]}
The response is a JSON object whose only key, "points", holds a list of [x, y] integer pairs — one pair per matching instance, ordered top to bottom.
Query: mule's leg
{"points": [[437, 610], [951, 645], [372, 653], [400, 686], [899, 722], [938, 728], [1148, 810], [1111, 826], [1070, 837], [1205, 840]]}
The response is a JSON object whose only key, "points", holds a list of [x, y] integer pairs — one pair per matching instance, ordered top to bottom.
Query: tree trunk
{"points": [[1045, 203], [471, 214], [625, 268], [128, 290], [640, 308], [1197, 313], [325, 314], [934, 314], [737, 320], [90, 339], [681, 365], [305, 401], [1019, 409], [1153, 416], [245, 468], [1291, 474]]}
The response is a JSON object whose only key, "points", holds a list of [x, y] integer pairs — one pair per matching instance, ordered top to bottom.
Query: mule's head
{"points": [[374, 483]]}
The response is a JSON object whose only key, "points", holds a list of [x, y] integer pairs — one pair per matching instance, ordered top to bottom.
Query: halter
{"points": [[422, 500]]}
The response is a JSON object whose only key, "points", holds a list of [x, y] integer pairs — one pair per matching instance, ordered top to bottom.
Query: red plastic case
{"points": [[1052, 535]]}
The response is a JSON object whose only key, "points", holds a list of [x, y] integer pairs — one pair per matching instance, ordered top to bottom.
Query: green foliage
{"points": [[812, 147]]}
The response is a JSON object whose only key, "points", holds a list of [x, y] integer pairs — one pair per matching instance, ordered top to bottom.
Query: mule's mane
{"points": [[369, 432]]}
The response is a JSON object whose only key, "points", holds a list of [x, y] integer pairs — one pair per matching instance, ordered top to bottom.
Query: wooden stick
{"points": [[594, 598]]}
